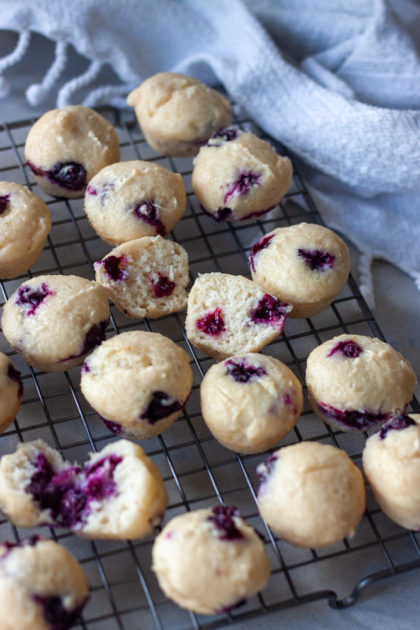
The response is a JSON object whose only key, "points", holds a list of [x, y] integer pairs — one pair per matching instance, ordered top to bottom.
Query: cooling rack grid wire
{"points": [[197, 471]]}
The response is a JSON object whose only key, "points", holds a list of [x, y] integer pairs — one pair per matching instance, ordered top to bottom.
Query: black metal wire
{"points": [[196, 455]]}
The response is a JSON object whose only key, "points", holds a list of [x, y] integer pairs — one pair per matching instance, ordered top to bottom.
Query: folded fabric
{"points": [[335, 82]]}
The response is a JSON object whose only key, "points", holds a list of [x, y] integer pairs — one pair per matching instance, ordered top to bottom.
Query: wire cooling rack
{"points": [[198, 472]]}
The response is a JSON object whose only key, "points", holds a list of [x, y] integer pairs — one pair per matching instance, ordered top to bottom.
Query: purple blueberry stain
{"points": [[222, 136], [68, 175], [242, 186], [92, 191], [103, 191], [4, 201], [148, 212], [256, 213], [221, 214], [257, 247], [316, 259], [115, 267], [162, 286], [31, 297], [271, 311], [211, 323], [94, 336], [349, 349], [85, 367], [242, 372], [287, 399], [161, 406], [353, 418], [396, 424], [114, 427], [265, 469], [99, 477], [68, 493], [222, 518], [30, 541], [228, 609], [56, 614]]}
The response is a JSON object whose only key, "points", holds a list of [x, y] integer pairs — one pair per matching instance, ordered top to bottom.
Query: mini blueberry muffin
{"points": [[178, 113], [66, 147], [238, 176], [129, 200], [25, 222], [304, 264], [146, 277], [230, 314], [55, 321], [354, 381], [138, 382], [11, 392], [250, 402], [391, 461], [119, 492], [311, 494], [210, 560], [42, 586]]}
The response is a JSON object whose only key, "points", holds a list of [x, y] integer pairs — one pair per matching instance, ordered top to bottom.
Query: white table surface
{"points": [[391, 603]]}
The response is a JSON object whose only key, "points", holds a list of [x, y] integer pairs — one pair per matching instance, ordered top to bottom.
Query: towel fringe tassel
{"points": [[13, 58], [37, 92], [109, 94], [64, 95]]}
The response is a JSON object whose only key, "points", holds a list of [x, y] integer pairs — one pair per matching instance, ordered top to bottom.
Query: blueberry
{"points": [[223, 135], [67, 175], [242, 185], [4, 200], [148, 212], [257, 247], [316, 259], [115, 267], [162, 287], [32, 297], [270, 310], [212, 323], [94, 336], [349, 348], [242, 372], [14, 375], [161, 406], [353, 418], [396, 424], [114, 427], [264, 469], [99, 477], [67, 494], [222, 518], [31, 541], [237, 604], [56, 614]]}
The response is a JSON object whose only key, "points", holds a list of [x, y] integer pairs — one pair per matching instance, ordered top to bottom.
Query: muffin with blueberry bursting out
{"points": [[66, 147], [238, 176], [304, 264], [54, 321], [355, 381], [138, 382], [250, 402], [210, 560], [42, 586]]}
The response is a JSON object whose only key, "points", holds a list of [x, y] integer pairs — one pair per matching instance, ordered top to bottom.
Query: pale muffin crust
{"points": [[178, 113]]}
